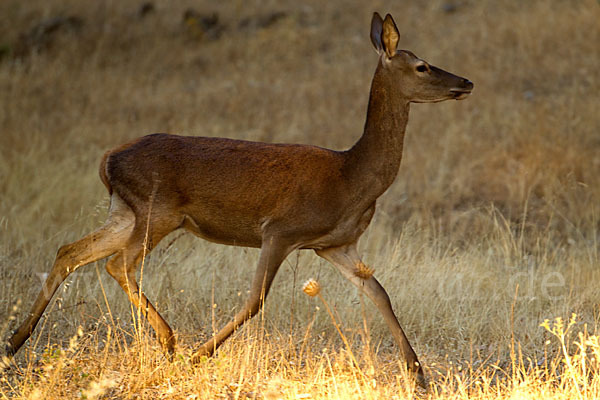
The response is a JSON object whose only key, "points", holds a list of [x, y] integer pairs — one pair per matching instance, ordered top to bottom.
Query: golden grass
{"points": [[490, 229]]}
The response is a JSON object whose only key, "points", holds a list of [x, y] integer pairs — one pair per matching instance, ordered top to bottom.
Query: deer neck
{"points": [[373, 162]]}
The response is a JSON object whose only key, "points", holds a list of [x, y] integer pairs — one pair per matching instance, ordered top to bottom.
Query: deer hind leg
{"points": [[97, 245], [272, 255], [347, 260], [123, 265], [122, 268]]}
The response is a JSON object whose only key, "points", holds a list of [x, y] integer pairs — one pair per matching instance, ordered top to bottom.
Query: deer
{"points": [[275, 197]]}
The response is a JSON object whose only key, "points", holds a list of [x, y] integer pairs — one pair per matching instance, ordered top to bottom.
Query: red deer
{"points": [[276, 197]]}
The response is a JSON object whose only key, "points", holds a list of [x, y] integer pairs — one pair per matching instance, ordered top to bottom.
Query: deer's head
{"points": [[411, 77]]}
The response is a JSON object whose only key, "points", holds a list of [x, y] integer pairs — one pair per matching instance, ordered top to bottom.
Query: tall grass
{"points": [[490, 229]]}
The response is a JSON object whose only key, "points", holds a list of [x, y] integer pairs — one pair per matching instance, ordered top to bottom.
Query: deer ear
{"points": [[376, 30], [390, 36]]}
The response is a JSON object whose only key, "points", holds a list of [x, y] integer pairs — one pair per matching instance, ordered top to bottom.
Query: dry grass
{"points": [[490, 229]]}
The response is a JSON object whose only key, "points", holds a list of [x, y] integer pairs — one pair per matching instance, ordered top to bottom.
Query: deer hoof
{"points": [[169, 346], [9, 350], [201, 355], [419, 375], [421, 380]]}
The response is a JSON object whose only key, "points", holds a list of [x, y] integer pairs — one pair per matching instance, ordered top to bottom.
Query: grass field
{"points": [[490, 229]]}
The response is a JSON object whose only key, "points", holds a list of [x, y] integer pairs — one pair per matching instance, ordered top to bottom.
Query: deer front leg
{"points": [[272, 255], [347, 261]]}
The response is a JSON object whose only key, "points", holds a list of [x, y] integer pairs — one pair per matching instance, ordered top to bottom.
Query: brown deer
{"points": [[276, 197]]}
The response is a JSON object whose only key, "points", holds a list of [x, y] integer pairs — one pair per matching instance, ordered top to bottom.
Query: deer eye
{"points": [[422, 68]]}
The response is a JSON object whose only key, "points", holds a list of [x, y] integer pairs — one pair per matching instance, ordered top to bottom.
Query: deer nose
{"points": [[467, 84]]}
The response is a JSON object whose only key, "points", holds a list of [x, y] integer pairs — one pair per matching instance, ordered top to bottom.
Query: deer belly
{"points": [[239, 233]]}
